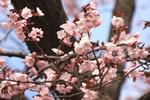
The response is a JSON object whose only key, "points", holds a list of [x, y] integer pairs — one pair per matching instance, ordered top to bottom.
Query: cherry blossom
{"points": [[26, 13], [40, 13], [117, 21], [87, 22], [69, 28], [35, 34], [61, 34], [83, 45], [57, 51], [29, 61], [41, 64], [88, 67], [112, 73], [134, 73], [65, 76], [74, 79], [62, 89], [89, 94]]}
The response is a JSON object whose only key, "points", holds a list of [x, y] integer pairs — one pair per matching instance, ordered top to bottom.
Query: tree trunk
{"points": [[128, 6], [50, 22]]}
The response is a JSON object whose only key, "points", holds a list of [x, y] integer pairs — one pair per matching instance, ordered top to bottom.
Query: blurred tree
{"points": [[128, 7], [50, 22]]}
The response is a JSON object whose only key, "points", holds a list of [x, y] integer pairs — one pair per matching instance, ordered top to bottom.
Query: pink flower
{"points": [[92, 5], [26, 13], [40, 13], [13, 16], [88, 19], [97, 21], [117, 21], [16, 24], [69, 28], [35, 34], [61, 34], [20, 36], [128, 38], [67, 41], [83, 45], [110, 46], [78, 48], [57, 51], [136, 53], [144, 53], [114, 54], [29, 61], [41, 64], [87, 65], [70, 66], [95, 72], [112, 73], [132, 73], [51, 76], [65, 76], [19, 77], [74, 80], [61, 88], [69, 88], [44, 92], [89, 94]]}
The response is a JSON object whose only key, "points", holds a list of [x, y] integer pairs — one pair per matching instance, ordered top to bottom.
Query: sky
{"points": [[100, 33]]}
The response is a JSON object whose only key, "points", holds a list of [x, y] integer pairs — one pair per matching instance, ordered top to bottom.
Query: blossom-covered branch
{"points": [[89, 67]]}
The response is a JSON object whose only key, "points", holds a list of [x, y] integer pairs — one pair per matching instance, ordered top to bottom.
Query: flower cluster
{"points": [[88, 19], [117, 21], [20, 24], [123, 47], [90, 66]]}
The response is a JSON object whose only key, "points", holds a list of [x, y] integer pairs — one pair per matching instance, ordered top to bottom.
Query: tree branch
{"points": [[22, 55]]}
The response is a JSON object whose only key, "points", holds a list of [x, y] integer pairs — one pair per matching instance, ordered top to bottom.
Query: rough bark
{"points": [[128, 6], [50, 22]]}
